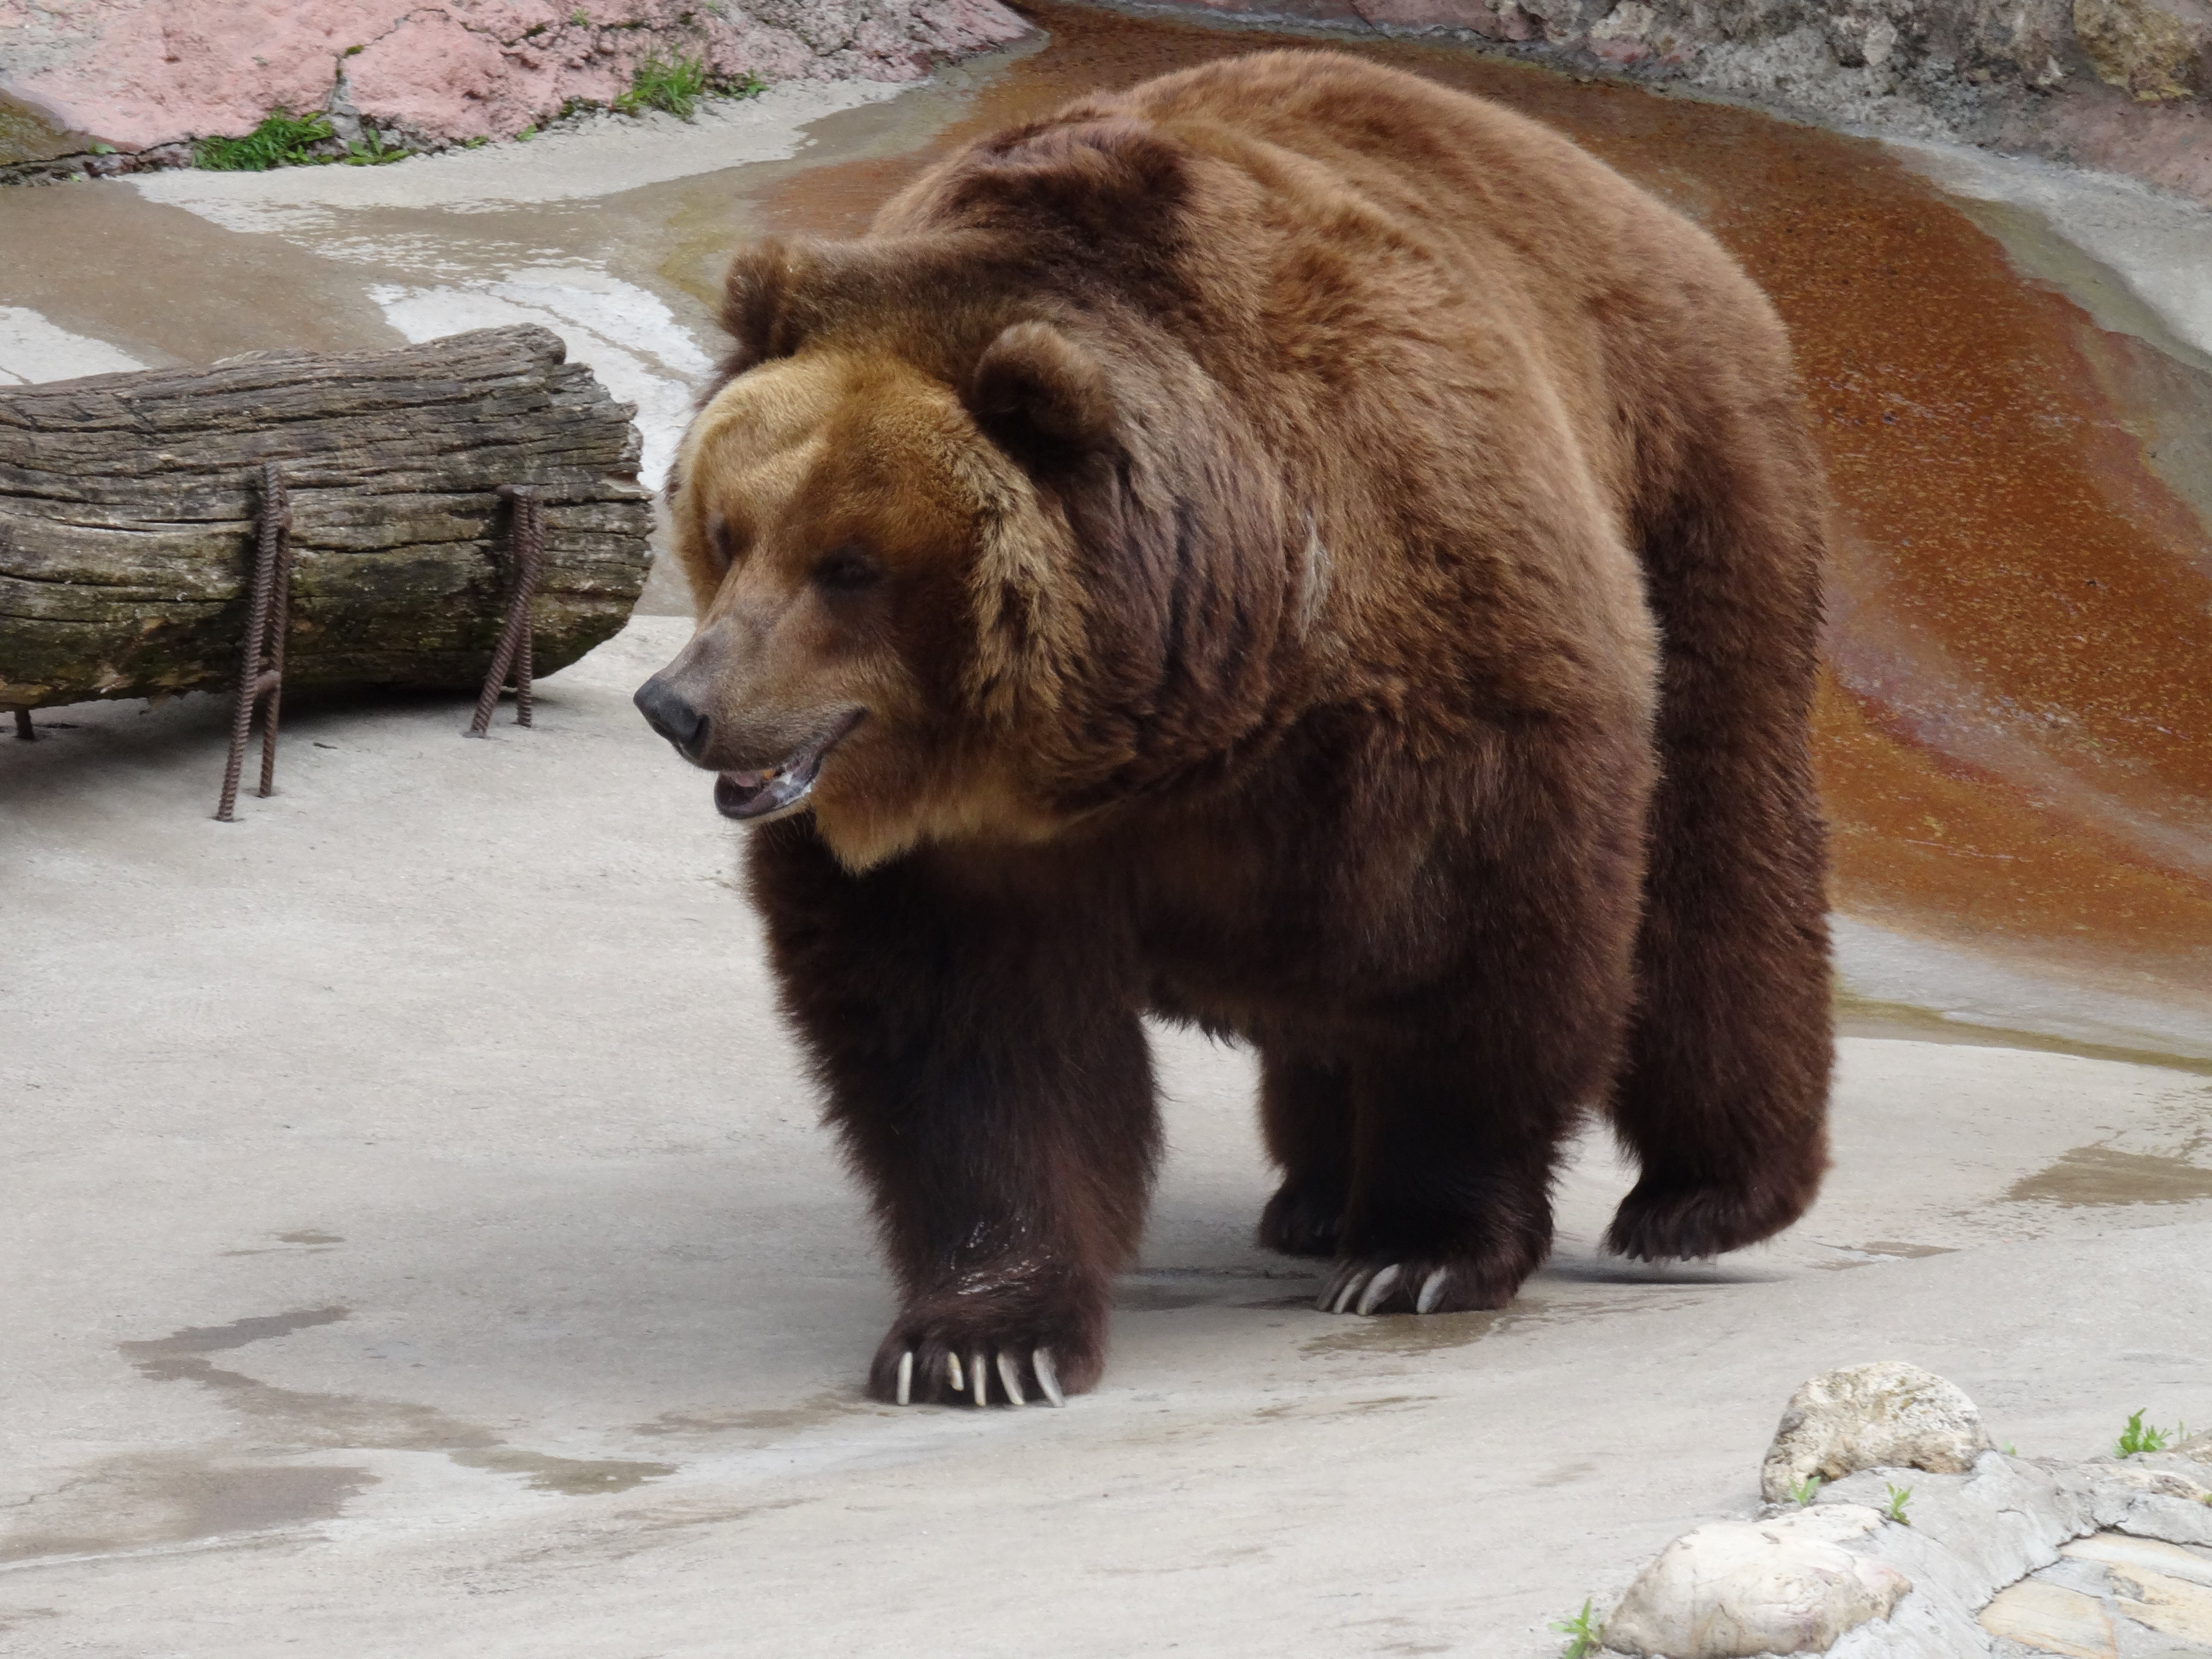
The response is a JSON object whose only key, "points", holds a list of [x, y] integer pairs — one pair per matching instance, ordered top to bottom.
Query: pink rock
{"points": [[144, 72]]}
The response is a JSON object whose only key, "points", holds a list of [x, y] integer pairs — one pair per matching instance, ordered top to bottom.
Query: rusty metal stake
{"points": [[527, 542], [261, 662], [24, 730]]}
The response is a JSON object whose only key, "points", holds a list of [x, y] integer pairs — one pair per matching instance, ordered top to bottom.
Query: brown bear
{"points": [[1300, 551]]}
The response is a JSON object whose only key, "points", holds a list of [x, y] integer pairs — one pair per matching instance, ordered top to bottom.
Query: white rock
{"points": [[1891, 1415], [2116, 1550], [1732, 1588], [2170, 1606], [2053, 1619]]}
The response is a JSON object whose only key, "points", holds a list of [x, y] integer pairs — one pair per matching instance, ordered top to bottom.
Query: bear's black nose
{"points": [[666, 712]]}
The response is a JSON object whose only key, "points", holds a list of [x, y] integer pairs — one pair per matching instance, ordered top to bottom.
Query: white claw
{"points": [[1379, 1286], [1431, 1288], [1345, 1297], [1011, 1377], [906, 1378], [1047, 1378], [959, 1382], [979, 1385]]}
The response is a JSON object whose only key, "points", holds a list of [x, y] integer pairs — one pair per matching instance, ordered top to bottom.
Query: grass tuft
{"points": [[677, 84], [282, 140], [2138, 1437], [1803, 1493], [1894, 1508], [1583, 1634]]}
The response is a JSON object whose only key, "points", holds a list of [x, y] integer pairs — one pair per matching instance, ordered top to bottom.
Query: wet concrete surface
{"points": [[427, 1236]]}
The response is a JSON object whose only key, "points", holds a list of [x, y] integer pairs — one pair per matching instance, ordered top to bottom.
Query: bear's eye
{"points": [[722, 540], [848, 570]]}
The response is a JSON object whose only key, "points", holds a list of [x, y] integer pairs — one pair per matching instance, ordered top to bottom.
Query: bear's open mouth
{"points": [[750, 797]]}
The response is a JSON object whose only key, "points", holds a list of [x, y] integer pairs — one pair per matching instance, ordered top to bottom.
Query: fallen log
{"points": [[127, 506]]}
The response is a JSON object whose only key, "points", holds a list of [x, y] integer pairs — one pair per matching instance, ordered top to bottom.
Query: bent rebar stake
{"points": [[527, 542], [261, 659]]}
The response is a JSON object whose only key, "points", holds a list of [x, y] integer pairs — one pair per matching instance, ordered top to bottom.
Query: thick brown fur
{"points": [[1310, 554]]}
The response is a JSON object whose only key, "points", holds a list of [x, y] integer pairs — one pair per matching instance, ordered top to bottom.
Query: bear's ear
{"points": [[757, 305], [1042, 394]]}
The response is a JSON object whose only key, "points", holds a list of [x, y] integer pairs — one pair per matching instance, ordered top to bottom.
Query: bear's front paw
{"points": [[1418, 1284], [922, 1364]]}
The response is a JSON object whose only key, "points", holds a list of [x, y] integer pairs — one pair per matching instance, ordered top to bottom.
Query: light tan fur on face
{"points": [[798, 457]]}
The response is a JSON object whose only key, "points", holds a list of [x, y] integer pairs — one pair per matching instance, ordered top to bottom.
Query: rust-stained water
{"points": [[2015, 733]]}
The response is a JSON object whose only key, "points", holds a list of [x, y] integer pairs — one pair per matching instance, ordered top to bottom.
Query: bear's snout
{"points": [[672, 715]]}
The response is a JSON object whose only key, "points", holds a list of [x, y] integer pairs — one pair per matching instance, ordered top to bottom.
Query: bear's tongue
{"points": [[753, 794], [746, 795]]}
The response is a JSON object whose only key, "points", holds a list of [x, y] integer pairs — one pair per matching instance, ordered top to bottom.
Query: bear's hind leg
{"points": [[1724, 1097], [1305, 1113], [1451, 1205]]}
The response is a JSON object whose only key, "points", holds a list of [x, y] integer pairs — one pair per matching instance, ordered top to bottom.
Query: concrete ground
{"points": [[419, 1240], [423, 1244]]}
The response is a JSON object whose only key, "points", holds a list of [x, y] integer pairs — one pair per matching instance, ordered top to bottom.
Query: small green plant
{"points": [[579, 17], [353, 52], [674, 84], [525, 135], [282, 140], [373, 152], [2138, 1437], [2011, 1450], [1803, 1493], [1894, 1508], [1584, 1635]]}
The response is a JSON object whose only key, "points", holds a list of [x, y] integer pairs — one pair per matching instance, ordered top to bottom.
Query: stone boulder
{"points": [[1890, 1415], [1735, 1589]]}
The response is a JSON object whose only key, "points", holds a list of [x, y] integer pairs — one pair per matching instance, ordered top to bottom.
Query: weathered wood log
{"points": [[127, 501]]}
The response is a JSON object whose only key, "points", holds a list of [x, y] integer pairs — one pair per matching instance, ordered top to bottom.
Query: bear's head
{"points": [[972, 560]]}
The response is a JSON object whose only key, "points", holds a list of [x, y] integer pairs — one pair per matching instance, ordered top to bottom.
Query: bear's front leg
{"points": [[987, 1071]]}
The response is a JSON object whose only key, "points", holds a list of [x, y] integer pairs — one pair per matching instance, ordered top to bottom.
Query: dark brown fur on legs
{"points": [[1295, 550], [985, 1064], [1724, 1097], [1305, 1112]]}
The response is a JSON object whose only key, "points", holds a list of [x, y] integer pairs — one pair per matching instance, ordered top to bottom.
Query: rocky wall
{"points": [[143, 74], [2122, 85]]}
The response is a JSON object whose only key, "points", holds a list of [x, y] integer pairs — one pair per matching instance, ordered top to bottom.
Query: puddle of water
{"points": [[1863, 1018], [2089, 1176], [1414, 1334], [215, 1339], [309, 1419], [781, 1420], [571, 1476], [169, 1498]]}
